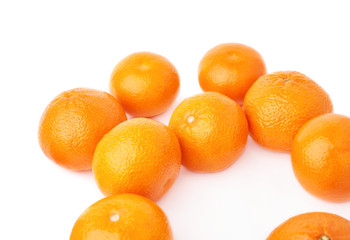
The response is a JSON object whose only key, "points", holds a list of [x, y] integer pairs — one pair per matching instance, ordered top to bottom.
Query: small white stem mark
{"points": [[190, 119], [114, 217], [324, 237]]}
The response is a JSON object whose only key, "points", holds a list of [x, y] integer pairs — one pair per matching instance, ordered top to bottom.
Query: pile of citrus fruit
{"points": [[136, 161]]}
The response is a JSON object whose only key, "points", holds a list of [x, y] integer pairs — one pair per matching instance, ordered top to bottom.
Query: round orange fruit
{"points": [[230, 69], [145, 84], [278, 104], [74, 122], [212, 131], [140, 156], [321, 157], [122, 217], [313, 226]]}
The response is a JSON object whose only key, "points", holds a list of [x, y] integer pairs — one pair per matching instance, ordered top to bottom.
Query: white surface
{"points": [[47, 47]]}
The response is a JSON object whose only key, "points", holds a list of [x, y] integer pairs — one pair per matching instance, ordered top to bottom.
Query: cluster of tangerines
{"points": [[136, 161]]}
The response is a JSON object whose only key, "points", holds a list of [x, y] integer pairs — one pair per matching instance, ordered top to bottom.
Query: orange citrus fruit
{"points": [[230, 69], [145, 84], [278, 104], [74, 122], [212, 131], [139, 156], [321, 157], [122, 217], [313, 226]]}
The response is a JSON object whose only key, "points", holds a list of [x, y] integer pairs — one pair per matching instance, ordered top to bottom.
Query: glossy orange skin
{"points": [[230, 69], [145, 84], [278, 104], [74, 122], [212, 131], [140, 156], [321, 157], [122, 217], [313, 226]]}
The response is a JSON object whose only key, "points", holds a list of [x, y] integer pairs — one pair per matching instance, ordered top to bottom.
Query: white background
{"points": [[47, 47]]}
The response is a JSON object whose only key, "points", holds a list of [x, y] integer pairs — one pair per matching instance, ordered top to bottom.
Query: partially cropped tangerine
{"points": [[230, 69], [145, 84], [278, 104], [74, 122], [212, 131], [140, 156], [321, 157], [122, 217], [313, 226]]}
